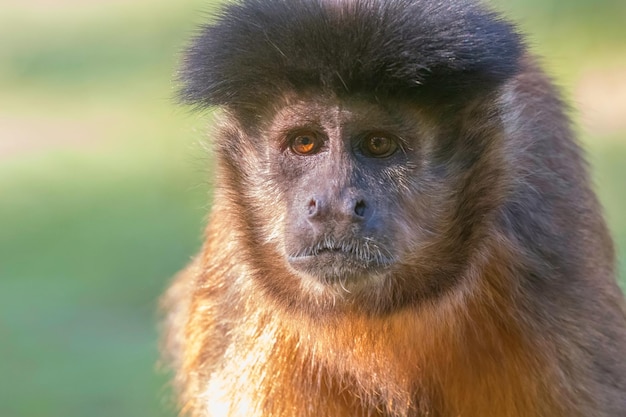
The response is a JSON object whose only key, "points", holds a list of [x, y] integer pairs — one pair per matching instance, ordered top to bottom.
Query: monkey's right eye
{"points": [[306, 143]]}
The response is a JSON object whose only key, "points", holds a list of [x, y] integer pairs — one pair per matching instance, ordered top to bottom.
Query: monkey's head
{"points": [[352, 142]]}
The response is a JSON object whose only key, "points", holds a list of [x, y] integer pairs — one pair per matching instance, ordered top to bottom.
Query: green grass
{"points": [[608, 161], [106, 201], [93, 229], [88, 242]]}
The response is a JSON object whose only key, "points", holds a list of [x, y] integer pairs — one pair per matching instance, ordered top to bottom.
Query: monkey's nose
{"points": [[321, 209]]}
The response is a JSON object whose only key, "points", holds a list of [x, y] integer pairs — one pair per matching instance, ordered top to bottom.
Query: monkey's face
{"points": [[345, 191]]}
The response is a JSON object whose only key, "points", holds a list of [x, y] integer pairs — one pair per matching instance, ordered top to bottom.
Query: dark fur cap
{"points": [[256, 49]]}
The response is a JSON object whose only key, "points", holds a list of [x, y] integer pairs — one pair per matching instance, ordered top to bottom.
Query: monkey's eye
{"points": [[306, 143], [378, 146]]}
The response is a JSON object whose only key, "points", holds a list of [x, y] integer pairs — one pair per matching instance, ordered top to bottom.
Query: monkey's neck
{"points": [[466, 354], [439, 360]]}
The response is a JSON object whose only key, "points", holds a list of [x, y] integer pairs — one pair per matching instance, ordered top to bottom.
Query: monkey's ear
{"points": [[256, 49]]}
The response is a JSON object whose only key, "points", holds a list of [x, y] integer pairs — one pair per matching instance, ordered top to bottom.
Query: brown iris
{"points": [[305, 143], [378, 146]]}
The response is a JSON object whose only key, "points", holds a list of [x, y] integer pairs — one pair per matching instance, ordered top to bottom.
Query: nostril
{"points": [[312, 207], [359, 208]]}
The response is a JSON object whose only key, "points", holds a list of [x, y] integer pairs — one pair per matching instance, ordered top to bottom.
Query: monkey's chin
{"points": [[340, 268]]}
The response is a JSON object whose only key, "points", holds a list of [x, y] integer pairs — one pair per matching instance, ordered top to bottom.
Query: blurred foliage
{"points": [[104, 186]]}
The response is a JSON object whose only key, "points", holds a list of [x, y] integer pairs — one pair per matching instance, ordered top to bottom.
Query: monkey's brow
{"points": [[290, 129]]}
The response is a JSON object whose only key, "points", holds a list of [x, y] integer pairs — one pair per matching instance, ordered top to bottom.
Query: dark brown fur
{"points": [[501, 300]]}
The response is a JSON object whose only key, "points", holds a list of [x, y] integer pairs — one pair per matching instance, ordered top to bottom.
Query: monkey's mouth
{"points": [[331, 260]]}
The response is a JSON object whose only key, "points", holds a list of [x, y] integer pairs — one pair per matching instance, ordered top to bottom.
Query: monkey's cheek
{"points": [[337, 267]]}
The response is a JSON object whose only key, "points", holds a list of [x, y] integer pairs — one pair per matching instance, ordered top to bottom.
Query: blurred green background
{"points": [[104, 184]]}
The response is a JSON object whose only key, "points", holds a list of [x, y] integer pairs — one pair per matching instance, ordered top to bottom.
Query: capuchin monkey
{"points": [[403, 223]]}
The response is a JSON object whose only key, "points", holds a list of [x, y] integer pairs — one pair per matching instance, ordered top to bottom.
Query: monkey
{"points": [[403, 223]]}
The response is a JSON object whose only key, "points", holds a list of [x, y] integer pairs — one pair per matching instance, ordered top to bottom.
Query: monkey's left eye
{"points": [[305, 143], [379, 146]]}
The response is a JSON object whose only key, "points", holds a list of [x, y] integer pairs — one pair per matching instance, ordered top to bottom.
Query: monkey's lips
{"points": [[331, 262]]}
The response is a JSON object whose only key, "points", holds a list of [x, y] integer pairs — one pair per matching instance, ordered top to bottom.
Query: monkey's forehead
{"points": [[254, 50]]}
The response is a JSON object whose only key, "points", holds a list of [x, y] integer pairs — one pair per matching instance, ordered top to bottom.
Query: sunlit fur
{"points": [[489, 292]]}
